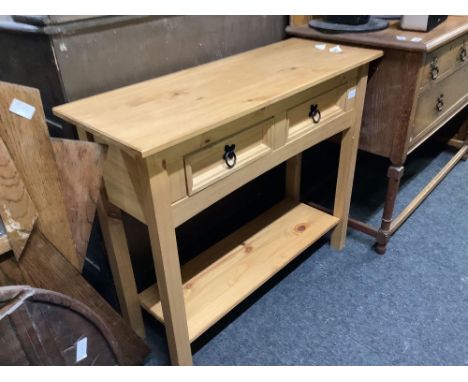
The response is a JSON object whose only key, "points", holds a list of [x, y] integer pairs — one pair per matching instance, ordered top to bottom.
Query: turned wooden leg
{"points": [[394, 175], [156, 196]]}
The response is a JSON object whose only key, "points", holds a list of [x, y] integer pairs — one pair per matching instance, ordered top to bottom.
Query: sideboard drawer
{"points": [[444, 60], [435, 103], [316, 111], [212, 163]]}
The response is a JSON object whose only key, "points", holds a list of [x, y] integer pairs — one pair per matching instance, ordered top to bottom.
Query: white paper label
{"points": [[401, 38], [416, 39], [321, 46], [336, 49], [351, 93], [22, 109], [81, 349]]}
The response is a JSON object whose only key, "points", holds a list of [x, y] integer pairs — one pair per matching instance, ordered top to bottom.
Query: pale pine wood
{"points": [[331, 104], [156, 114], [186, 118], [29, 146], [348, 154], [80, 165], [207, 165], [293, 177], [121, 188], [424, 193], [156, 195], [185, 208], [17, 210], [113, 233], [224, 275]]}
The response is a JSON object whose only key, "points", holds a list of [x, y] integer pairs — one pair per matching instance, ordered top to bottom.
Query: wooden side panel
{"points": [[389, 99], [30, 148], [80, 165], [119, 174], [16, 207]]}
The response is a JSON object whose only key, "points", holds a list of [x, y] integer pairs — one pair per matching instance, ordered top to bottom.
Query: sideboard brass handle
{"points": [[463, 54], [434, 69], [440, 103], [314, 113], [230, 156]]}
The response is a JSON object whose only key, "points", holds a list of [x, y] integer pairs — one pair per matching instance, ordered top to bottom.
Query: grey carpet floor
{"points": [[409, 307]]}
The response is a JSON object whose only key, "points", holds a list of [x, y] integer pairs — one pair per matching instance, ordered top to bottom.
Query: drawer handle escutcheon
{"points": [[463, 54], [434, 69], [440, 103], [314, 113], [230, 156]]}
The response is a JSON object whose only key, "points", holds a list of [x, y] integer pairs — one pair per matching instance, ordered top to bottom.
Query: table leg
{"points": [[348, 154], [394, 175], [293, 177], [155, 194], [115, 241]]}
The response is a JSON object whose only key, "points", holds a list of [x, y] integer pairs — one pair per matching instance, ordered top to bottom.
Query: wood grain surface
{"points": [[153, 115], [29, 145], [80, 166], [17, 210], [42, 266]]}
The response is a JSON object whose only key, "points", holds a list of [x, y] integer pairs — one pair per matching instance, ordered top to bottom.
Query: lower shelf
{"points": [[221, 277]]}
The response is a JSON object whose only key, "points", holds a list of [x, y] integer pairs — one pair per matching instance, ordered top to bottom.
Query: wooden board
{"points": [[449, 30], [143, 117], [30, 148], [80, 166], [17, 210], [4, 244], [42, 266], [224, 275]]}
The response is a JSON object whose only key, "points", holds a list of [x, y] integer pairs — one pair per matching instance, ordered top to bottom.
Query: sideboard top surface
{"points": [[393, 37], [153, 115]]}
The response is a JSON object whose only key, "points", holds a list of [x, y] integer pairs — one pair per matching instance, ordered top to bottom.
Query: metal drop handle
{"points": [[463, 54], [434, 69], [440, 103], [314, 113], [230, 156]]}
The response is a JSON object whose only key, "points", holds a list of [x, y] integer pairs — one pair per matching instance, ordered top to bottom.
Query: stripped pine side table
{"points": [[181, 142]]}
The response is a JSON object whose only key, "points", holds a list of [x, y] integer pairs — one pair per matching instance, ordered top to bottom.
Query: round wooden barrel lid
{"points": [[41, 327]]}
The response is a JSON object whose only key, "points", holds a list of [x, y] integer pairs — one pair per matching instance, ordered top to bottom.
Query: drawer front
{"points": [[444, 60], [436, 103], [316, 111], [210, 164]]}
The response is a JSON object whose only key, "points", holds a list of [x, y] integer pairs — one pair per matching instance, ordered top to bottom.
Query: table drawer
{"points": [[443, 61], [436, 103], [316, 111], [210, 164]]}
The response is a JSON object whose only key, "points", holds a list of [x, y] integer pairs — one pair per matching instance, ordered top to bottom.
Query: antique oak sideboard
{"points": [[420, 83], [180, 142]]}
